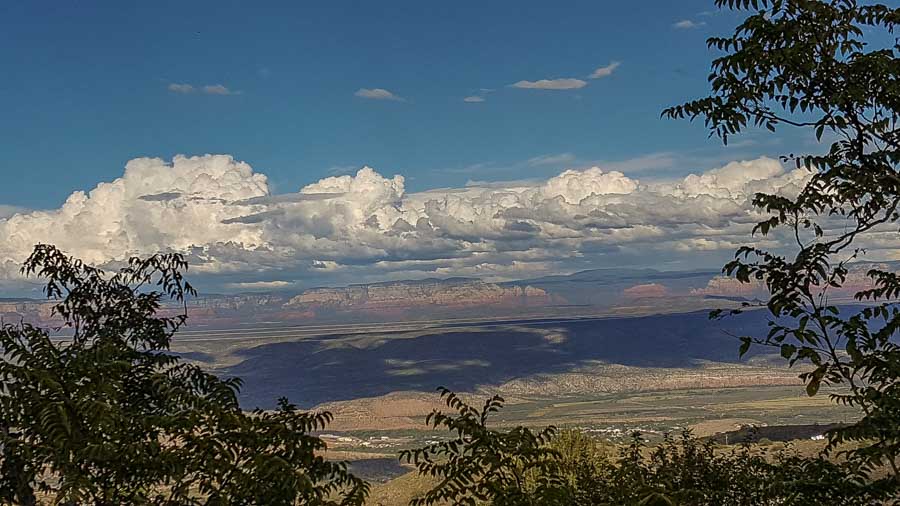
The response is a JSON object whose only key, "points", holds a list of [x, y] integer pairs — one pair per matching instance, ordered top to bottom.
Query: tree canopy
{"points": [[831, 68], [109, 416]]}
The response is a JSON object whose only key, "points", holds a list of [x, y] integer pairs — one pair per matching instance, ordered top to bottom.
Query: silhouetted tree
{"points": [[826, 67], [109, 417], [480, 464], [484, 465]]}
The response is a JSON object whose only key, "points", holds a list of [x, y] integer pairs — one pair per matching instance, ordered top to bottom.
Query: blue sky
{"points": [[85, 88], [478, 107]]}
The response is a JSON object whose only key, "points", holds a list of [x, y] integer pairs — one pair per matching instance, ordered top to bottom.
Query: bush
{"points": [[822, 67], [110, 417], [485, 465], [522, 467]]}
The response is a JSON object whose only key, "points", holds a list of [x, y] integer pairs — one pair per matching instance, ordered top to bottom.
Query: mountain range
{"points": [[599, 291]]}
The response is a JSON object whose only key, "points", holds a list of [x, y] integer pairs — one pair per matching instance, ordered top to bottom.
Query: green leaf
{"points": [[745, 346], [788, 350], [812, 388]]}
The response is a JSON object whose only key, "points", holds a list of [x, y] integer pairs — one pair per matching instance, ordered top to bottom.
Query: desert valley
{"points": [[506, 253], [604, 351]]}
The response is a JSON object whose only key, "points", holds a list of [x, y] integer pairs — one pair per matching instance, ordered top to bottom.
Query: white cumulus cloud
{"points": [[687, 24], [605, 71], [551, 84], [181, 88], [209, 89], [218, 89], [378, 94], [154, 206], [366, 226]]}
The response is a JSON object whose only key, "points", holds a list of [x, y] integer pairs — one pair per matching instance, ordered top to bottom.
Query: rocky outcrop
{"points": [[857, 279], [447, 293], [377, 300], [237, 302], [28, 310]]}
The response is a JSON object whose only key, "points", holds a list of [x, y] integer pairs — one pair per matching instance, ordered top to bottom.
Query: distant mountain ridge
{"points": [[612, 275], [607, 287], [447, 292], [584, 292]]}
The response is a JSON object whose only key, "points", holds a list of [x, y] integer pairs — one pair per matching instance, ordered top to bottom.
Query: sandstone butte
{"points": [[452, 292], [455, 292]]}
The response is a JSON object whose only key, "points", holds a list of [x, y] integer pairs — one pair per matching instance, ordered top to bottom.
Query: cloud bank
{"points": [[366, 226]]}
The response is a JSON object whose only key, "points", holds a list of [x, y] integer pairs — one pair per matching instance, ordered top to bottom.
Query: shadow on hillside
{"points": [[314, 371]]}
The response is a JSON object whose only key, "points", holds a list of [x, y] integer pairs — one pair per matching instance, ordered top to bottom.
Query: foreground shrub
{"points": [[831, 69], [108, 417], [480, 464], [483, 465], [688, 471]]}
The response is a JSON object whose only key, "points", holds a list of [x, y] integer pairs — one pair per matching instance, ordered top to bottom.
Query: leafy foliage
{"points": [[811, 64], [830, 67], [108, 417], [485, 465], [518, 467], [688, 471]]}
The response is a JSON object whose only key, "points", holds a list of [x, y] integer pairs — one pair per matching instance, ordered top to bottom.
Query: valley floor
{"points": [[605, 375]]}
